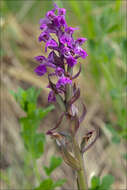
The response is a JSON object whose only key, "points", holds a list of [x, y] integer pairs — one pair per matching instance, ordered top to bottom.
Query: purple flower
{"points": [[61, 11], [50, 15], [45, 21], [59, 21], [62, 21], [43, 26], [70, 30], [44, 36], [66, 37], [80, 41], [52, 44], [66, 52], [81, 52], [51, 57], [40, 59], [71, 61], [41, 70], [59, 71], [63, 81]]}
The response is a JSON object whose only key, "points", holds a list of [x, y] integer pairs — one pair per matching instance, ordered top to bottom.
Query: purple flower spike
{"points": [[64, 52], [41, 70]]}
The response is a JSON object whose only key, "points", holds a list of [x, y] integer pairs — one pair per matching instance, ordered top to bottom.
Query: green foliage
{"points": [[103, 25], [33, 141], [54, 163], [107, 181], [95, 182], [48, 184], [104, 184]]}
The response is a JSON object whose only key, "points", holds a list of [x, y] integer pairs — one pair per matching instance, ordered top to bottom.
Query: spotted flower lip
{"points": [[64, 51]]}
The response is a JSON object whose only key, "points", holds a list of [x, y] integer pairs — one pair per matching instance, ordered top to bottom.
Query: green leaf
{"points": [[113, 28], [32, 94], [26, 96], [31, 108], [43, 112], [29, 124], [34, 142], [38, 145], [54, 163], [95, 182], [59, 183], [106, 183], [46, 184]]}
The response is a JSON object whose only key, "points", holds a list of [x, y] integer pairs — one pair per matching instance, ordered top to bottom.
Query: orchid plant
{"points": [[62, 58]]}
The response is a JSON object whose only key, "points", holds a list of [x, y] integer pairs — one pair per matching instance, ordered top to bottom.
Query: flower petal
{"points": [[40, 58], [71, 61], [41, 69]]}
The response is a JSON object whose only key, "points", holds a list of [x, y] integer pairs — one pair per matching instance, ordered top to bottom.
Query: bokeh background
{"points": [[103, 87]]}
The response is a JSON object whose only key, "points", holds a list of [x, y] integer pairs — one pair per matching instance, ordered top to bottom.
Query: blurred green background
{"points": [[103, 79]]}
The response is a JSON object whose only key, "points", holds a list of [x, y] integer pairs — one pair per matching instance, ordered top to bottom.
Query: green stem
{"points": [[37, 174], [81, 178], [82, 181]]}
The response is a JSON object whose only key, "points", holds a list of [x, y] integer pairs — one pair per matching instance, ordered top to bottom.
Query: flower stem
{"points": [[81, 178]]}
